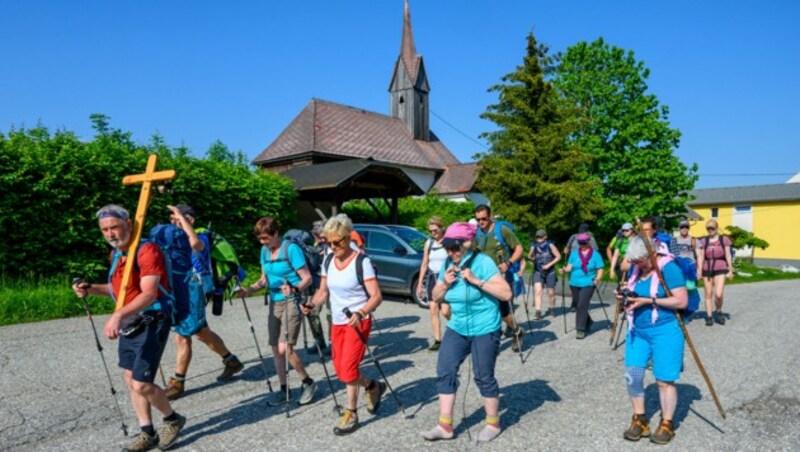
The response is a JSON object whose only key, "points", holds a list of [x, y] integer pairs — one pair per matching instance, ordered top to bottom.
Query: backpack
{"points": [[498, 236], [305, 241], [705, 241], [543, 254], [224, 261], [359, 269]]}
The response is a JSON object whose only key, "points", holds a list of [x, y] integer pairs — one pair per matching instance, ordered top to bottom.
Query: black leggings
{"points": [[581, 296]]}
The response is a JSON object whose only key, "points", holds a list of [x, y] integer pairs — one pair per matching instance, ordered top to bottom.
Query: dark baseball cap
{"points": [[186, 210]]}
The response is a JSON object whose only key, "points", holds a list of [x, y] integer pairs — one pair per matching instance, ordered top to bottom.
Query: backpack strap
{"points": [[359, 269]]}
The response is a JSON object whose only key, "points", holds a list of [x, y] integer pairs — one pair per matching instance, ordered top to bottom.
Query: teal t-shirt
{"points": [[290, 258], [578, 277], [474, 312], [642, 316]]}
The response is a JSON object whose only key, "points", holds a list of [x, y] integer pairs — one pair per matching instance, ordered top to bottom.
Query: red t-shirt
{"points": [[150, 262]]}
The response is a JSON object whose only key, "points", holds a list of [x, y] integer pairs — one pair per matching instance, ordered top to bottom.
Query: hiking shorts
{"points": [[713, 273], [548, 279], [276, 323], [663, 343], [348, 349], [454, 350], [141, 354]]}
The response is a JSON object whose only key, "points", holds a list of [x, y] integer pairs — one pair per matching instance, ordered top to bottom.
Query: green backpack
{"points": [[224, 260]]}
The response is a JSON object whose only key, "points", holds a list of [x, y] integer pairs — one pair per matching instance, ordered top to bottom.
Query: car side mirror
{"points": [[400, 250]]}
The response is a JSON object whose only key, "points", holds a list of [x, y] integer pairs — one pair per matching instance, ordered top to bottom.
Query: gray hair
{"points": [[113, 210], [340, 225], [316, 227], [637, 250]]}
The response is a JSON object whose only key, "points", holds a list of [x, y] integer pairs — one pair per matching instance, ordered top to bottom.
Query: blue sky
{"points": [[197, 71]]}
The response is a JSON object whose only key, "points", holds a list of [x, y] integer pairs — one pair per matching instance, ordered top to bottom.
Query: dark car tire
{"points": [[422, 303]]}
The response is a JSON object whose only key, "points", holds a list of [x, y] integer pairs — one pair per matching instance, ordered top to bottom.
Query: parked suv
{"points": [[396, 251]]}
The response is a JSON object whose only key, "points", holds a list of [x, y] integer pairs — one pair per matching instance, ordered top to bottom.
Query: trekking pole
{"points": [[654, 263], [236, 288], [563, 301], [603, 305], [527, 312], [347, 313], [614, 324], [621, 328], [286, 350], [337, 407], [124, 427]]}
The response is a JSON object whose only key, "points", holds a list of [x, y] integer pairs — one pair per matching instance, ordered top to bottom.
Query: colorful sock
{"points": [[494, 421], [446, 423]]}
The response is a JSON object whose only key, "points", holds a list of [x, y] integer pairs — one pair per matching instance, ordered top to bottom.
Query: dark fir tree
{"points": [[534, 175]]}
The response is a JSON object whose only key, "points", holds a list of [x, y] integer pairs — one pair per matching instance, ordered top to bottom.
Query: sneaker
{"points": [[537, 315], [720, 317], [709, 321], [580, 334], [516, 341], [435, 346], [232, 367], [174, 389], [308, 393], [374, 396], [279, 398], [348, 423], [639, 428], [169, 432], [437, 433], [664, 433], [141, 442]]}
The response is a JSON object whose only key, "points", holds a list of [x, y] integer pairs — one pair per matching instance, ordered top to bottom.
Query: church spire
{"points": [[409, 86]]}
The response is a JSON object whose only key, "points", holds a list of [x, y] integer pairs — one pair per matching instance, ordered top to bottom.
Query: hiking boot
{"points": [[537, 315], [720, 317], [709, 321], [580, 334], [516, 341], [435, 346], [232, 367], [174, 389], [308, 393], [374, 396], [279, 398], [348, 423], [639, 428], [169, 432], [664, 433], [141, 442]]}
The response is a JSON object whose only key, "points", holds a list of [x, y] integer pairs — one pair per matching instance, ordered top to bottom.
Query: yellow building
{"points": [[771, 212]]}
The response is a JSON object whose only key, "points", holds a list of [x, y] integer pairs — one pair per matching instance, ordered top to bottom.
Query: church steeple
{"points": [[409, 86]]}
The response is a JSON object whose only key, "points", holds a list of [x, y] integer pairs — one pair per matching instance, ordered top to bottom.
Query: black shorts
{"points": [[713, 273], [547, 278], [505, 305], [141, 354]]}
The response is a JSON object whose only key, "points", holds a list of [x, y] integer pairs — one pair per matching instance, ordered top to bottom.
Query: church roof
{"points": [[408, 51], [342, 131], [457, 179]]}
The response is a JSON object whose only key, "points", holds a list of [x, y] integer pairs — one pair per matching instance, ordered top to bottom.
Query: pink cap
{"points": [[458, 233], [583, 237]]}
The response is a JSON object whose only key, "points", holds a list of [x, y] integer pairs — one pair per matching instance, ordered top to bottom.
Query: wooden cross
{"points": [[149, 176]]}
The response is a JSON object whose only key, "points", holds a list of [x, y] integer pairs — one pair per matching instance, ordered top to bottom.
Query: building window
{"points": [[715, 212]]}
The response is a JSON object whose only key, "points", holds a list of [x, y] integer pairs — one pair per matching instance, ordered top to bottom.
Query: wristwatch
{"points": [[654, 301]]}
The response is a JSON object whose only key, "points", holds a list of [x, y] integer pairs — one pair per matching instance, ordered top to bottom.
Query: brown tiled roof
{"points": [[339, 130], [457, 179]]}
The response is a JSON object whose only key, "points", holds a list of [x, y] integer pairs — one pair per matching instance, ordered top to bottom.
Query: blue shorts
{"points": [[663, 343], [141, 354]]}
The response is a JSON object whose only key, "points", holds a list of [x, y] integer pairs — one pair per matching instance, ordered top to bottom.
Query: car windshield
{"points": [[414, 238]]}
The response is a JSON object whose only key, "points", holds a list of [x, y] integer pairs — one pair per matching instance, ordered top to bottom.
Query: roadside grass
{"points": [[34, 299]]}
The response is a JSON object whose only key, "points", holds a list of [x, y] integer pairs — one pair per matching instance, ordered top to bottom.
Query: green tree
{"points": [[627, 132], [534, 175], [741, 238]]}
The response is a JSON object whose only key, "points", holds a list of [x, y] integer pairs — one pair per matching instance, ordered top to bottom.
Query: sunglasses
{"points": [[482, 219], [684, 227], [711, 229], [626, 230], [434, 231], [338, 243], [582, 243], [453, 249]]}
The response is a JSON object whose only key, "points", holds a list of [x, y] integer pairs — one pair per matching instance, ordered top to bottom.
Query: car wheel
{"points": [[421, 302]]}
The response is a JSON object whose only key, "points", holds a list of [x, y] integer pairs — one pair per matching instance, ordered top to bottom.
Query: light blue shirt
{"points": [[289, 260], [579, 278], [474, 312], [642, 316]]}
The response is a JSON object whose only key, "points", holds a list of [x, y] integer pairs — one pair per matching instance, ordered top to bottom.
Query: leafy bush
{"points": [[53, 183]]}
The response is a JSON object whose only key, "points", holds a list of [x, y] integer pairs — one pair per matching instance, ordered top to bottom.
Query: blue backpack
{"points": [[498, 236], [689, 269], [187, 293]]}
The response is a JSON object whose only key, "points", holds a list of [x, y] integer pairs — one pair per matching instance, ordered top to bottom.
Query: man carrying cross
{"points": [[141, 325]]}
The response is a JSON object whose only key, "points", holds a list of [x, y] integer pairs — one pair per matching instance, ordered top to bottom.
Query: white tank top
{"points": [[436, 256]]}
